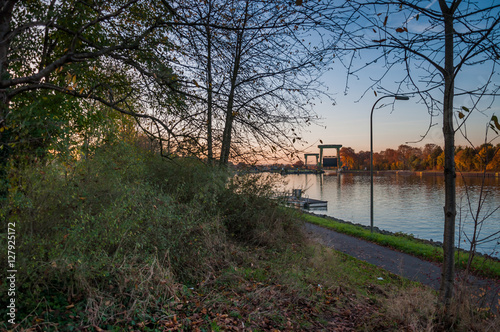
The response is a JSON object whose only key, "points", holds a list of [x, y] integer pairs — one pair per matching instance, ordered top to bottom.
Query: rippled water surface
{"points": [[405, 203]]}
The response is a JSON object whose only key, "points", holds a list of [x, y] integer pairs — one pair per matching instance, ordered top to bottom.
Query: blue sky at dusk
{"points": [[348, 121], [400, 122]]}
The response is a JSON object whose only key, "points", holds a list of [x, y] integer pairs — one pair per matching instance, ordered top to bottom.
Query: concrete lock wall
{"points": [[330, 162]]}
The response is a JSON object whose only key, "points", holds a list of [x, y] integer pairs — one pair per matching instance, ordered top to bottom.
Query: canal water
{"points": [[410, 204]]}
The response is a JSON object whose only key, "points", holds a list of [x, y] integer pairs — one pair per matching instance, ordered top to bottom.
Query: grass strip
{"points": [[481, 266]]}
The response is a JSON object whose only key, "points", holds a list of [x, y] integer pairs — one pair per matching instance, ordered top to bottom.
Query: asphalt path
{"points": [[486, 291]]}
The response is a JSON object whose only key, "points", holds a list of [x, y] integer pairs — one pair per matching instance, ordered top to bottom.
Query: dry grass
{"points": [[414, 308], [417, 309], [466, 313]]}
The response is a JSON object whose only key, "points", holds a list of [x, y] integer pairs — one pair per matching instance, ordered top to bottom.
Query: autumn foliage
{"points": [[430, 157]]}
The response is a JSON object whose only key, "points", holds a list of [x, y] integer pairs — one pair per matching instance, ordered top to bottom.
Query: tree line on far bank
{"points": [[430, 157]]}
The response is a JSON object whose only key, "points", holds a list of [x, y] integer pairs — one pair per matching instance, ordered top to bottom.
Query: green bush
{"points": [[251, 214]]}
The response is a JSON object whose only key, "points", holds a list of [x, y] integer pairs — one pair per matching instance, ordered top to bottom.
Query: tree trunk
{"points": [[230, 114], [228, 127], [210, 153], [448, 269]]}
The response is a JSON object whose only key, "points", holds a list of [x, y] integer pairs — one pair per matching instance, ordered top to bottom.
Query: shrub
{"points": [[251, 214], [125, 228], [105, 229]]}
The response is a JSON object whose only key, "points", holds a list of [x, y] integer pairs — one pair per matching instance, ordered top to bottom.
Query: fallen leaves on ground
{"points": [[270, 307]]}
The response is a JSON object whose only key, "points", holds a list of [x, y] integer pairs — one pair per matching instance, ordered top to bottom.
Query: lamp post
{"points": [[396, 97]]}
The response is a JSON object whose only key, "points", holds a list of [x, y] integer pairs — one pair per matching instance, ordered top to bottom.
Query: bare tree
{"points": [[433, 43], [255, 65], [476, 206]]}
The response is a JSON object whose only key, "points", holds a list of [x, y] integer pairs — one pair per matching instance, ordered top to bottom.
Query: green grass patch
{"points": [[481, 266]]}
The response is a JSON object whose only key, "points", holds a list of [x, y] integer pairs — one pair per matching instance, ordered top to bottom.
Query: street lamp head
{"points": [[401, 97]]}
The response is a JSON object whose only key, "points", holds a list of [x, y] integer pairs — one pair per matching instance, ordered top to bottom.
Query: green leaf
{"points": [[465, 109]]}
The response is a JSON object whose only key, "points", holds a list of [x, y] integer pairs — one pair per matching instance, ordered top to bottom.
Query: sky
{"points": [[399, 122], [395, 123]]}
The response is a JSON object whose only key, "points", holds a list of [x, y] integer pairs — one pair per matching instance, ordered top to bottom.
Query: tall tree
{"points": [[434, 43], [255, 65], [430, 154], [349, 157]]}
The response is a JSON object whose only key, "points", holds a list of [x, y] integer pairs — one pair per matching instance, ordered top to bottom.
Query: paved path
{"points": [[399, 263]]}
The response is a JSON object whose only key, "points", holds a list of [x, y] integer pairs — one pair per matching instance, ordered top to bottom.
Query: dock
{"points": [[297, 200], [307, 203]]}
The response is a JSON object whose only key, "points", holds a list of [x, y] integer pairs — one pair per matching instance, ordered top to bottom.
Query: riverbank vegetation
{"points": [[107, 236], [126, 239]]}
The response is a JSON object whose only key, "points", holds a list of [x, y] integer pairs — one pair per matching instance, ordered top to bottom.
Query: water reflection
{"points": [[405, 203]]}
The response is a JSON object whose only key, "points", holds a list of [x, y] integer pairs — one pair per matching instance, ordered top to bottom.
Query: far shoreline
{"points": [[423, 173]]}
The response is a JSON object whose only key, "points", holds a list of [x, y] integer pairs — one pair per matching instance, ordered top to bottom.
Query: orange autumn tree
{"points": [[349, 157]]}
